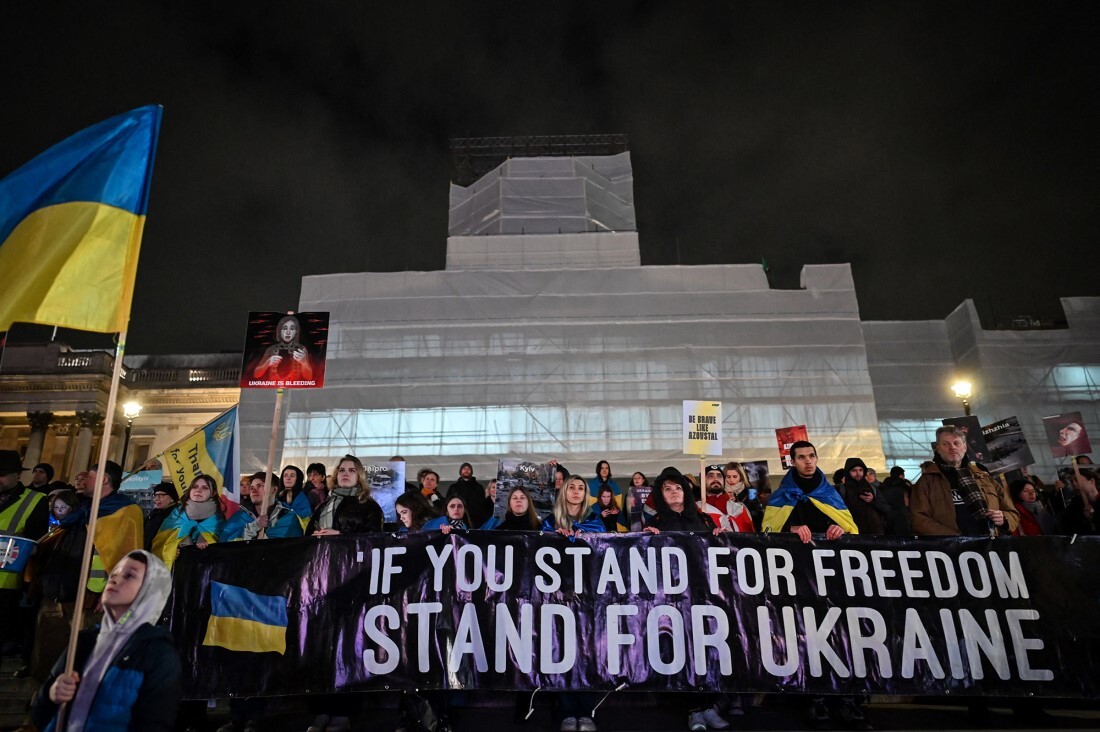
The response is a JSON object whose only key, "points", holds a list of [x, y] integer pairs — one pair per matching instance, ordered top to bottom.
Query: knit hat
{"points": [[10, 462], [854, 462], [47, 469], [169, 489]]}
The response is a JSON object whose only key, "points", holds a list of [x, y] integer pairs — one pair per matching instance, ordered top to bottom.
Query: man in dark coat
{"points": [[472, 494], [869, 509]]}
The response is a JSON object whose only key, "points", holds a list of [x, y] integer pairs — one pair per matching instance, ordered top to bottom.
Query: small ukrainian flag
{"points": [[244, 621]]}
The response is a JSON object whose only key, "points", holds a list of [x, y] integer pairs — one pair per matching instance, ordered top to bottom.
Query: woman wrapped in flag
{"points": [[198, 521], [281, 522]]}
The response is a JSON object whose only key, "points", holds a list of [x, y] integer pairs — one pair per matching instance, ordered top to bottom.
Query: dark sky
{"points": [[946, 150]]}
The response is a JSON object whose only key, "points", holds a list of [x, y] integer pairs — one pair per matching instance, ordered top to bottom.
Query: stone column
{"points": [[39, 421], [88, 421]]}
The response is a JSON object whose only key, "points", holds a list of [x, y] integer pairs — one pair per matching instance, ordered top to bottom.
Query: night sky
{"points": [[946, 150]]}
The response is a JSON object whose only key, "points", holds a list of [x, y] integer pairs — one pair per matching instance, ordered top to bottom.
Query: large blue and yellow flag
{"points": [[70, 226], [213, 450], [824, 498], [178, 526], [244, 621]]}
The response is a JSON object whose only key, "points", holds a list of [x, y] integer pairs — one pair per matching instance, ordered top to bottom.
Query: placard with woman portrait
{"points": [[285, 351], [1066, 435]]}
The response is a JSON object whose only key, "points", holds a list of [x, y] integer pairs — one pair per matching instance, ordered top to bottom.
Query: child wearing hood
{"points": [[127, 673]]}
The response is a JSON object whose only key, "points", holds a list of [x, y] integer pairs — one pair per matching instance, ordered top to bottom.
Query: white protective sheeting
{"points": [[547, 195], [544, 251], [578, 365], [1029, 374]]}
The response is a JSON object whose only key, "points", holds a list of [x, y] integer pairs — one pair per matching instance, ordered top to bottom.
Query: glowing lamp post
{"points": [[963, 391], [130, 410]]}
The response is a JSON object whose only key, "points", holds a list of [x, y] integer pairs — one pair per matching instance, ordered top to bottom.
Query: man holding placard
{"points": [[954, 497]]}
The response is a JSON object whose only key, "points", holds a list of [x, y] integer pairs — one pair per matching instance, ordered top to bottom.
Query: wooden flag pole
{"points": [[271, 450], [271, 458], [702, 478], [89, 541]]}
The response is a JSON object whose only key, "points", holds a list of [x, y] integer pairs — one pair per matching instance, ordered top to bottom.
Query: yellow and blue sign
{"points": [[71, 221], [213, 450], [244, 621]]}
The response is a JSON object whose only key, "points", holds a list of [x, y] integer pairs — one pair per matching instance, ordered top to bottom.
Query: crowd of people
{"points": [[124, 659]]}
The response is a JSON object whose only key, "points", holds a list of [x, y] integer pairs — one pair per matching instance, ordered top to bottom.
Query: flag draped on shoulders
{"points": [[71, 221], [824, 498], [301, 508], [283, 523], [119, 528], [179, 528]]}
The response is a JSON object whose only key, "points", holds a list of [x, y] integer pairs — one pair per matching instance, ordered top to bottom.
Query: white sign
{"points": [[702, 428]]}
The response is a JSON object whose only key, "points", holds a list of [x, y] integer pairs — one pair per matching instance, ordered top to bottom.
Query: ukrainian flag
{"points": [[71, 221], [214, 450], [824, 498], [244, 621]]}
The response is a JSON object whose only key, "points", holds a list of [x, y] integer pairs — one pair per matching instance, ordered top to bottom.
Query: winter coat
{"points": [[932, 510], [351, 516], [140, 692]]}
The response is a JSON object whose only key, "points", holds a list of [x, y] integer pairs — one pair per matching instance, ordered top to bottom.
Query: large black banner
{"points": [[500, 610]]}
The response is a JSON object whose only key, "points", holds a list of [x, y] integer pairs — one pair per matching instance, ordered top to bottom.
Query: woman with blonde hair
{"points": [[349, 508], [570, 514]]}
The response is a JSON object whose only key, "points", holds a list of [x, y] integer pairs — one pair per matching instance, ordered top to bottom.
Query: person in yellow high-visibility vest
{"points": [[24, 513]]}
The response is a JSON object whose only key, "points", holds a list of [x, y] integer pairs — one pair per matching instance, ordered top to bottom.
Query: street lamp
{"points": [[962, 391], [130, 410]]}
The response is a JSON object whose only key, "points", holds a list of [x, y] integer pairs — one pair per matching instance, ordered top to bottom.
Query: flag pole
{"points": [[271, 452], [271, 457], [89, 541]]}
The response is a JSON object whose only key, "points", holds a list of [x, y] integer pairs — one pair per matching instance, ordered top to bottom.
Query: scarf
{"points": [[962, 480], [328, 509], [275, 512], [1042, 516], [193, 520], [513, 522], [115, 634]]}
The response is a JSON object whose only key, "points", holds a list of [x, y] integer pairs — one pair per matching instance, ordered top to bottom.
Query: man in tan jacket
{"points": [[956, 498]]}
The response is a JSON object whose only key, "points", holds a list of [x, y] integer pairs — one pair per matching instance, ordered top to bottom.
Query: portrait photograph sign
{"points": [[284, 351], [702, 428], [1066, 435], [787, 436], [757, 472], [387, 483]]}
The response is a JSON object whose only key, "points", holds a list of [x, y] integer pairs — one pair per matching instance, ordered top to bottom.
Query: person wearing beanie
{"points": [[41, 475], [895, 490], [472, 494], [165, 500], [723, 507], [869, 509]]}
